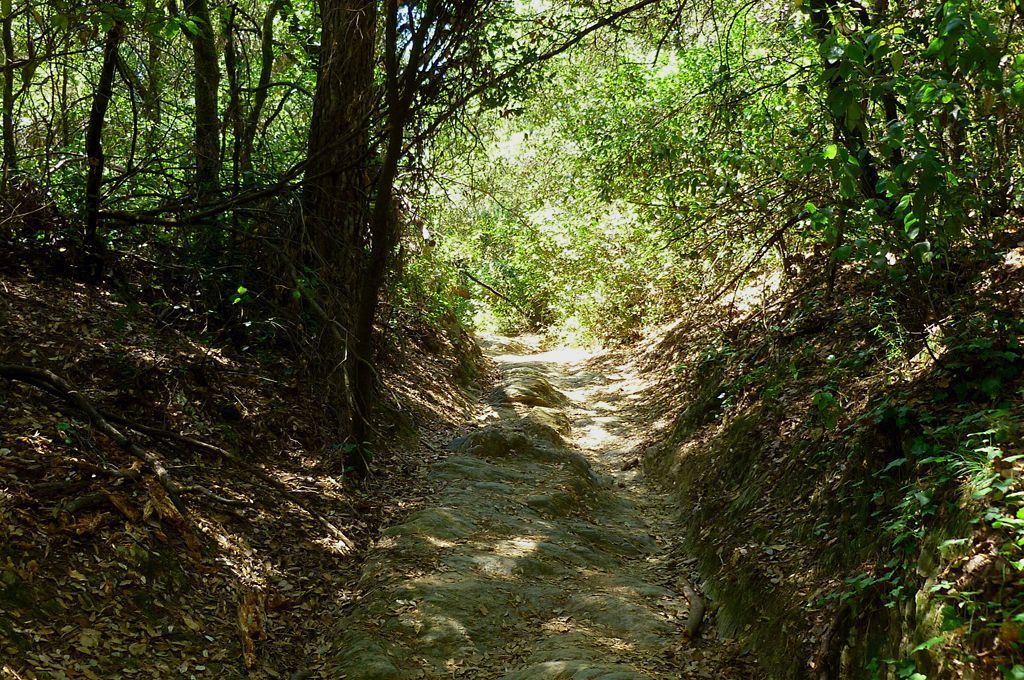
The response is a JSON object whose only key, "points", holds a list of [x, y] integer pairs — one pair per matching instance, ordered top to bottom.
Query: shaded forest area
{"points": [[246, 245]]}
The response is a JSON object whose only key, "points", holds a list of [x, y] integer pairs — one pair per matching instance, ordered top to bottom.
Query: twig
{"points": [[757, 257], [498, 294], [51, 382], [55, 385], [280, 486], [89, 500]]}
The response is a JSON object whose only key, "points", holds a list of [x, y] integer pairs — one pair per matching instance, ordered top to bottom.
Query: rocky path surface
{"points": [[542, 554]]}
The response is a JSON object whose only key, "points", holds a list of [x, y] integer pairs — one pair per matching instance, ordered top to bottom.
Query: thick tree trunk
{"points": [[206, 82], [94, 148], [10, 160], [336, 196], [383, 232]]}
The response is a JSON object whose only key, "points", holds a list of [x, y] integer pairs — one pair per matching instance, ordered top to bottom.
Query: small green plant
{"points": [[241, 296], [890, 332], [826, 408], [67, 432]]}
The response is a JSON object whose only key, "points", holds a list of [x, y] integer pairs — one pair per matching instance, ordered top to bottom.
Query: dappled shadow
{"points": [[532, 561]]}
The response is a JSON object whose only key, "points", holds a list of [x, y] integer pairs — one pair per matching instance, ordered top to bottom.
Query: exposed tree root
{"points": [[53, 384], [57, 386], [277, 484], [830, 646]]}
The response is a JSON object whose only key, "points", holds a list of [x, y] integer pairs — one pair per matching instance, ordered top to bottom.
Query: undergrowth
{"points": [[851, 468]]}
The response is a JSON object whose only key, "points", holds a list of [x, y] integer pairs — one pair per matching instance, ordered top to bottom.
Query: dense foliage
{"points": [[876, 137], [264, 151], [325, 175], [844, 178]]}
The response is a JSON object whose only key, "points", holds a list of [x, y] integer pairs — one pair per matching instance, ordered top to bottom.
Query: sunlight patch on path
{"points": [[539, 555]]}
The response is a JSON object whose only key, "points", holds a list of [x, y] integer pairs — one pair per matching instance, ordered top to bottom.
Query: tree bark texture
{"points": [[206, 82], [259, 100], [10, 159], [336, 200], [383, 231]]}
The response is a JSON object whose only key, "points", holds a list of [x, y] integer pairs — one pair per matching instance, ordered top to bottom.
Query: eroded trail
{"points": [[541, 555]]}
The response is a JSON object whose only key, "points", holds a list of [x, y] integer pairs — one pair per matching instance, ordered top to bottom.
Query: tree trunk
{"points": [[153, 57], [206, 82], [262, 88], [64, 104], [234, 111], [850, 136], [94, 149], [10, 160], [336, 195], [383, 232]]}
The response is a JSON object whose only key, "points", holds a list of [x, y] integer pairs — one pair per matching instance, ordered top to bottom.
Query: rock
{"points": [[530, 390], [553, 418], [516, 441], [495, 442], [464, 468], [553, 504], [437, 523], [526, 565], [619, 617], [363, 653], [572, 669]]}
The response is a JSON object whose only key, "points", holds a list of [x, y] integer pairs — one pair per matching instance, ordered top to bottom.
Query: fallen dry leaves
{"points": [[100, 575]]}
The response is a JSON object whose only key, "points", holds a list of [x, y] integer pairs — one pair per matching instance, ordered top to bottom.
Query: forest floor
{"points": [[543, 553], [99, 576]]}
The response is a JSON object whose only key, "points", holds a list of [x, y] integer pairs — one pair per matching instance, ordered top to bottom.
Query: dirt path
{"points": [[542, 554]]}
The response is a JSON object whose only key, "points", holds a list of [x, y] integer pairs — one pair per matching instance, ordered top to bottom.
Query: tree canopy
{"points": [[327, 177]]}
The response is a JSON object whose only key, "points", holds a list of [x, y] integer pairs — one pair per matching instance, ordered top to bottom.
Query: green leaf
{"points": [[952, 25], [935, 47], [853, 114], [831, 151], [921, 251], [843, 253], [894, 464], [928, 644]]}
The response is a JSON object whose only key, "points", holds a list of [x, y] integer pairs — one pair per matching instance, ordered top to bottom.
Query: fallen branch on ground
{"points": [[55, 385], [278, 485]]}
